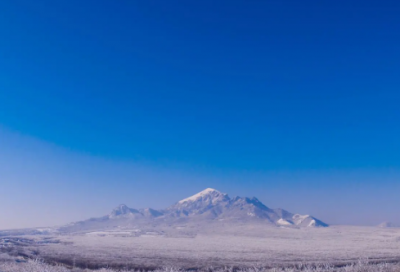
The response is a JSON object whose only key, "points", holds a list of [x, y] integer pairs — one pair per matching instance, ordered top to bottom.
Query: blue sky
{"points": [[251, 97]]}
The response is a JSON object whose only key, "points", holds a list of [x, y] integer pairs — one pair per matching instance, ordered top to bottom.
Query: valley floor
{"points": [[241, 248], [36, 266]]}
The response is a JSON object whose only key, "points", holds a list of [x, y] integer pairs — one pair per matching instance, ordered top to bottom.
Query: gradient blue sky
{"points": [[147, 102]]}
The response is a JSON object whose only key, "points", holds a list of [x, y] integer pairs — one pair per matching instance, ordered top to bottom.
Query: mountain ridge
{"points": [[207, 206]]}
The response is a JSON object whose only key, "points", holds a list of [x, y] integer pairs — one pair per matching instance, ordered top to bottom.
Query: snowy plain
{"points": [[243, 246]]}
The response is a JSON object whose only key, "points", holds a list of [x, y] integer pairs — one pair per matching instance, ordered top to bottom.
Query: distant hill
{"points": [[208, 206], [388, 225]]}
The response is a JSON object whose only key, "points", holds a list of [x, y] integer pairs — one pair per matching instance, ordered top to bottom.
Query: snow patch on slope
{"points": [[284, 222], [312, 223]]}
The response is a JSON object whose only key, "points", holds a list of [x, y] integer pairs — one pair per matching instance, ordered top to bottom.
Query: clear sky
{"points": [[148, 102]]}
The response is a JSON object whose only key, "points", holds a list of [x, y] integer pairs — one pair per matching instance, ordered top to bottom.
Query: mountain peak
{"points": [[206, 192], [122, 210]]}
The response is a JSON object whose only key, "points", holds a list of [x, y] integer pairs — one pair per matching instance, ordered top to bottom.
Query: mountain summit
{"points": [[208, 193], [203, 208], [123, 210]]}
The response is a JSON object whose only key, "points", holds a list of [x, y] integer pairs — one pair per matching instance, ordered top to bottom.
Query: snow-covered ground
{"points": [[243, 246], [359, 266]]}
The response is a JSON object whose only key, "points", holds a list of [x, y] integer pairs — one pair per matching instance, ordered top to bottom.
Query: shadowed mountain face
{"points": [[205, 207]]}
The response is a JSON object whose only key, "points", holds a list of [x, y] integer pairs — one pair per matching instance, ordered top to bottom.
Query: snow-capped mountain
{"points": [[212, 204], [208, 206]]}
